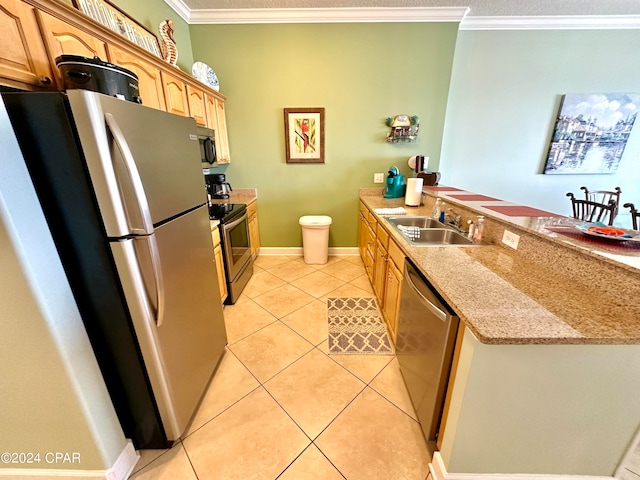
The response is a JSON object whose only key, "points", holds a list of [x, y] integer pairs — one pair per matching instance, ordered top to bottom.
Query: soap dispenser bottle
{"points": [[437, 207], [442, 212], [477, 234]]}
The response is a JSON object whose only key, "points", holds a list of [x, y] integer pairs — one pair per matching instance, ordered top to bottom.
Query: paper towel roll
{"points": [[414, 192]]}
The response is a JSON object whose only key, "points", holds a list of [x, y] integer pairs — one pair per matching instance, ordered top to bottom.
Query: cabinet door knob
{"points": [[45, 81]]}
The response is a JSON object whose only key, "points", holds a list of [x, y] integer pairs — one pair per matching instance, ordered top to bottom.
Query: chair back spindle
{"points": [[603, 197], [590, 211], [635, 215]]}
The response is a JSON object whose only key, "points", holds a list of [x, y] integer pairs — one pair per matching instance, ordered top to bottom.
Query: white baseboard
{"points": [[298, 251], [124, 464], [120, 470], [439, 472]]}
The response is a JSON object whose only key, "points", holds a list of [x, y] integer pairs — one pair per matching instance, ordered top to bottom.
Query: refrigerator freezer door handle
{"points": [[134, 176], [158, 278]]}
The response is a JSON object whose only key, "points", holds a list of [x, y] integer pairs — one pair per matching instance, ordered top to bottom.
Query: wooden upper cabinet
{"points": [[62, 38], [23, 58], [149, 79], [175, 94], [197, 104], [210, 109], [217, 121], [222, 140]]}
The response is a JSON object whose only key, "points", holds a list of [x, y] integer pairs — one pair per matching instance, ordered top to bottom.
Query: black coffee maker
{"points": [[217, 187]]}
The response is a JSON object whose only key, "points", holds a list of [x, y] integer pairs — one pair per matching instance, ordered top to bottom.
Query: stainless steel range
{"points": [[236, 245]]}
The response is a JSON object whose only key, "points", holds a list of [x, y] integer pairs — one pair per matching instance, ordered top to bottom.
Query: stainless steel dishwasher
{"points": [[427, 329]]}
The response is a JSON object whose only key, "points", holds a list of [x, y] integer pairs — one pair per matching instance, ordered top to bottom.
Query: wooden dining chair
{"points": [[603, 196], [593, 211], [635, 215]]}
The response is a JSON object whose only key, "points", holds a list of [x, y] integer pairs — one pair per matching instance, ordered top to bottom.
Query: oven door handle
{"points": [[239, 220]]}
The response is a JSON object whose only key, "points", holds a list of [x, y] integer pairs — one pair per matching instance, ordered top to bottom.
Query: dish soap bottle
{"points": [[442, 212], [435, 213], [477, 234]]}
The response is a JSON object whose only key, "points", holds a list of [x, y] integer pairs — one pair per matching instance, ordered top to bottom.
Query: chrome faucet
{"points": [[454, 219]]}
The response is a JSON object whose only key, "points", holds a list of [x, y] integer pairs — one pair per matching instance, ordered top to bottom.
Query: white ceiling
{"points": [[476, 7]]}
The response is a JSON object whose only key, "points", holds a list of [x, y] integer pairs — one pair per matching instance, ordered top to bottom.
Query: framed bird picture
{"points": [[304, 135]]}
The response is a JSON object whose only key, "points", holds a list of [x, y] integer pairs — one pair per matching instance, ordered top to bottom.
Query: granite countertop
{"points": [[239, 195], [546, 292]]}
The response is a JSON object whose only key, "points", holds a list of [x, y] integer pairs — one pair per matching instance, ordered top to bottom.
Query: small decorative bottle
{"points": [[437, 207]]}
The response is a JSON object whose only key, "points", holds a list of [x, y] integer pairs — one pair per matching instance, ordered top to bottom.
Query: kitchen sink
{"points": [[417, 221], [428, 232], [439, 237]]}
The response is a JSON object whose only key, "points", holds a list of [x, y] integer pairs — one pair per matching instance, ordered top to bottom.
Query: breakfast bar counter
{"points": [[549, 291], [546, 369]]}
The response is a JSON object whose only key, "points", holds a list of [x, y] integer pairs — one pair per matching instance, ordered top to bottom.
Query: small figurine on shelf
{"points": [[168, 44], [403, 128]]}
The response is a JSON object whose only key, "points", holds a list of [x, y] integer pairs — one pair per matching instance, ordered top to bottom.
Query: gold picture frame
{"points": [[107, 14], [304, 135]]}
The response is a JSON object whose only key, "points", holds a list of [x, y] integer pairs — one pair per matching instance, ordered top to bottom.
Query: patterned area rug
{"points": [[356, 327]]}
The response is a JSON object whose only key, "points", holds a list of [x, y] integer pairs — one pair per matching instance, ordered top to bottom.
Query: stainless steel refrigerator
{"points": [[122, 189]]}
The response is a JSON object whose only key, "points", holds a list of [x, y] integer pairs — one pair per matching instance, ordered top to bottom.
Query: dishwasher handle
{"points": [[410, 274]]}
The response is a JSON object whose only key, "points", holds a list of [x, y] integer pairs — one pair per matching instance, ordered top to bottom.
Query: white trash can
{"points": [[315, 238]]}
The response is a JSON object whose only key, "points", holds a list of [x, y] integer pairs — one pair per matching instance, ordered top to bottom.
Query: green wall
{"points": [[150, 13], [360, 74], [506, 88]]}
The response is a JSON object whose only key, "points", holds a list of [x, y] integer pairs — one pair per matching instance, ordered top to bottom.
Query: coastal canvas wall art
{"points": [[591, 133]]}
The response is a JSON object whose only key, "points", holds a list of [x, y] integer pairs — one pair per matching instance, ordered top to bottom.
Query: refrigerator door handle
{"points": [[134, 176], [143, 206], [128, 266], [158, 278]]}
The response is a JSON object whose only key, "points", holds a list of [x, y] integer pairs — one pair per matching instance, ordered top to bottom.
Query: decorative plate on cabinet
{"points": [[204, 73]]}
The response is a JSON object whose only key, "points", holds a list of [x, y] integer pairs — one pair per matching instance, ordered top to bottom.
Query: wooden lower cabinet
{"points": [[23, 58], [149, 78], [254, 231], [362, 233], [217, 255], [369, 257], [384, 263], [380, 271], [393, 286]]}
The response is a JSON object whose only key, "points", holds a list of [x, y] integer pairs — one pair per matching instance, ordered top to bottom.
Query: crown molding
{"points": [[178, 6], [402, 14], [317, 15], [327, 15], [556, 22]]}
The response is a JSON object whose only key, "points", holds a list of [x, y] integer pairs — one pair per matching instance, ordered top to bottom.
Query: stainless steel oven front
{"points": [[236, 248]]}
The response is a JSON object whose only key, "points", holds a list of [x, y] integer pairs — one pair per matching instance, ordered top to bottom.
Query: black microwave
{"points": [[206, 138]]}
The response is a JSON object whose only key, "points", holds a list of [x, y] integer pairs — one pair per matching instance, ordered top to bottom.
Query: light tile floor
{"points": [[280, 407]]}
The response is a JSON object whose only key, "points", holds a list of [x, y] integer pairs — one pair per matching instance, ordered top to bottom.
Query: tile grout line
{"points": [[313, 346]]}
